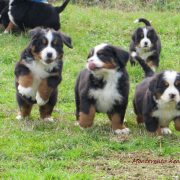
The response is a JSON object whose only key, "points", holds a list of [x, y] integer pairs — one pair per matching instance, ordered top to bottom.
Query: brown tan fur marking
{"points": [[9, 27], [26, 80], [44, 90], [25, 110], [86, 120], [116, 121], [177, 124]]}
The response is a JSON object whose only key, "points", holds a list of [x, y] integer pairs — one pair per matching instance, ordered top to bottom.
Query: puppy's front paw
{"points": [[28, 92], [40, 101], [49, 119], [122, 131], [165, 131]]}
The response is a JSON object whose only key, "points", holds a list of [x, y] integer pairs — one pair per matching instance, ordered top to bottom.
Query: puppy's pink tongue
{"points": [[91, 66]]}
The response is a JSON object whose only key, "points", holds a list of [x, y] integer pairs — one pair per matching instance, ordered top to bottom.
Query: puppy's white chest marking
{"points": [[144, 54], [39, 72], [106, 97], [166, 113]]}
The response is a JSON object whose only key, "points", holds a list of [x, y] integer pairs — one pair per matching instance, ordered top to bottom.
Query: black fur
{"points": [[29, 14]]}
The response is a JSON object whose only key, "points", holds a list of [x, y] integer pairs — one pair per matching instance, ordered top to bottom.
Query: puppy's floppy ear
{"points": [[33, 32], [66, 40], [122, 56], [153, 84]]}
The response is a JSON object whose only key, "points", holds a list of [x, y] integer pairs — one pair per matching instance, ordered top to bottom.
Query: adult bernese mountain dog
{"points": [[30, 14], [146, 43], [38, 73], [103, 87], [157, 99]]}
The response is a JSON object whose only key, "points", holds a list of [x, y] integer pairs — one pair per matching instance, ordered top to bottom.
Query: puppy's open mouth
{"points": [[48, 61], [93, 66]]}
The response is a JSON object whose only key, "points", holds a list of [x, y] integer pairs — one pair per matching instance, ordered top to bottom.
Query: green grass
{"points": [[38, 150]]}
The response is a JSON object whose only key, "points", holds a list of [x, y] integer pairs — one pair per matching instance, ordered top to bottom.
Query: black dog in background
{"points": [[29, 14], [4, 19]]}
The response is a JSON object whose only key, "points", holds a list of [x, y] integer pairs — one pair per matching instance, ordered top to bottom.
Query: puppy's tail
{"points": [[62, 7], [145, 21], [147, 70]]}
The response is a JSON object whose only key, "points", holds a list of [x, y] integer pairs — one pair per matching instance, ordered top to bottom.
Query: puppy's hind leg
{"points": [[9, 27], [24, 108]]}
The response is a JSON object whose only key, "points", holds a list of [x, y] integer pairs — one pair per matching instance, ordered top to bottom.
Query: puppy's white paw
{"points": [[6, 32], [133, 54], [28, 92], [39, 100], [19, 117], [49, 119], [77, 124], [122, 131], [165, 131]]}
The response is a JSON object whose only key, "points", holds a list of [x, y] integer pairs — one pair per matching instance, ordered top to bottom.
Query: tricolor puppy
{"points": [[30, 14], [146, 43], [38, 73], [103, 87], [157, 99]]}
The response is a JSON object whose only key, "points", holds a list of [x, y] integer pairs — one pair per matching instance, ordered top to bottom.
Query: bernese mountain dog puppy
{"points": [[30, 14], [146, 43], [38, 73], [103, 87], [157, 99]]}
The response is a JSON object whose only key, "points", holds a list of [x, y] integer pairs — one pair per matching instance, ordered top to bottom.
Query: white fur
{"points": [[9, 12], [136, 21], [145, 39], [49, 48], [143, 53], [133, 54], [95, 59], [170, 78], [28, 92], [106, 97], [39, 100], [166, 112], [19, 117], [49, 119], [122, 131], [165, 131]]}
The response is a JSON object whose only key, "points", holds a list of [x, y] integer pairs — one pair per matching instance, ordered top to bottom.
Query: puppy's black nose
{"points": [[145, 43], [49, 55], [172, 96]]}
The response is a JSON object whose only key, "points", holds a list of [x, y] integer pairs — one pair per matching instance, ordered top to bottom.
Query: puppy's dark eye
{"points": [[141, 35], [44, 41], [55, 42], [101, 55], [177, 83], [165, 84]]}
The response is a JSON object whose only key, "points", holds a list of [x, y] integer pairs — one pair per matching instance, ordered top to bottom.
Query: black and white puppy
{"points": [[29, 14], [146, 43], [38, 73], [103, 87], [157, 99]]}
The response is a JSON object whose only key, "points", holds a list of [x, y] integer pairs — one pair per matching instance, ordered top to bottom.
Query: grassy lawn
{"points": [[38, 150]]}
